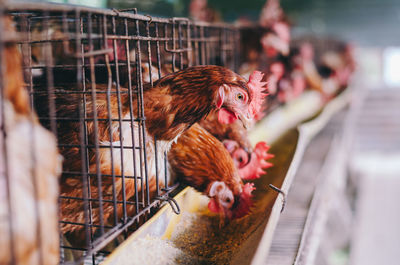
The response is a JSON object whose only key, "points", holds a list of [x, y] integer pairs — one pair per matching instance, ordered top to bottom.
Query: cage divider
{"points": [[158, 51], [109, 84], [119, 108], [142, 114], [131, 115], [86, 192]]}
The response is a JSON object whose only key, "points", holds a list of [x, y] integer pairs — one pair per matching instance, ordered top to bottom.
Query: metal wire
{"points": [[80, 56]]}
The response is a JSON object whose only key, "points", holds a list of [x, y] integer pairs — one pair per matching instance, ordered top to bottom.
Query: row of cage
{"points": [[72, 56]]}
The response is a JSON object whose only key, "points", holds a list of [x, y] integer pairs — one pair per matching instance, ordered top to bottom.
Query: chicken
{"points": [[200, 11], [271, 13], [277, 39], [264, 44], [306, 62], [340, 63], [326, 77], [286, 80], [291, 86], [171, 106], [234, 130], [222, 132], [201, 161], [250, 163], [257, 164], [29, 170]]}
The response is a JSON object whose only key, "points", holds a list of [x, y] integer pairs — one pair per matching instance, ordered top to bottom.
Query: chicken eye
{"points": [[240, 96], [227, 200]]}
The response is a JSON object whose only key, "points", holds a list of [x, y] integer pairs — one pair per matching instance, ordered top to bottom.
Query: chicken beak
{"points": [[246, 120]]}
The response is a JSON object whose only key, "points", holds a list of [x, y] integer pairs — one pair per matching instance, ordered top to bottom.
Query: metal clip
{"points": [[283, 195]]}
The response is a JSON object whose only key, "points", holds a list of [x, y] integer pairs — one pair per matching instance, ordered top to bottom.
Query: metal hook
{"points": [[150, 17], [281, 192], [172, 202], [174, 205]]}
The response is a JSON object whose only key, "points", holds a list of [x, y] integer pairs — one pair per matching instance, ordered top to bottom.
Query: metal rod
{"points": [[80, 74], [141, 107], [110, 124], [96, 128], [121, 138]]}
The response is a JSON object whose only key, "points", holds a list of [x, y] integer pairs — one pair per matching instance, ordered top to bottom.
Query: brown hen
{"points": [[171, 106], [202, 162], [28, 197]]}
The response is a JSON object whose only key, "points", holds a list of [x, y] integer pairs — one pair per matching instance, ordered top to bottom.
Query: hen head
{"points": [[277, 40], [307, 52], [198, 90], [241, 100], [239, 154], [230, 197], [222, 198], [230, 205]]}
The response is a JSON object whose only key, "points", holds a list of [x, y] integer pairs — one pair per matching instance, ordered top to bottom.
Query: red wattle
{"points": [[226, 117], [245, 202], [213, 206]]}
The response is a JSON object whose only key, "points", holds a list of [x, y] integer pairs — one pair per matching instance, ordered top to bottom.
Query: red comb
{"points": [[257, 91], [255, 168], [245, 201]]}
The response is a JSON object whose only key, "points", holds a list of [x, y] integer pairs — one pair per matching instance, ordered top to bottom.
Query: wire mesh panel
{"points": [[86, 71]]}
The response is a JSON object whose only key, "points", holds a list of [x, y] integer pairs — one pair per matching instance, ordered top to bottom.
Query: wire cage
{"points": [[85, 70]]}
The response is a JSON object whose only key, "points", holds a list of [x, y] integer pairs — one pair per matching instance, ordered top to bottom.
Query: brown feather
{"points": [[14, 83], [171, 106], [234, 131], [199, 159], [33, 167]]}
